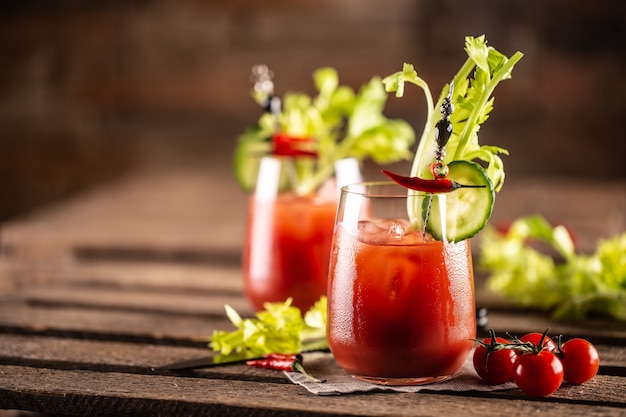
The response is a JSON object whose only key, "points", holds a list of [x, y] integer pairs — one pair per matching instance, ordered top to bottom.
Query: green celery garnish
{"points": [[473, 102], [345, 124], [580, 287], [280, 328]]}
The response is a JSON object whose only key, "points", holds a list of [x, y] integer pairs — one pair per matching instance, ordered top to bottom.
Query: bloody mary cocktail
{"points": [[287, 249], [401, 296], [400, 304]]}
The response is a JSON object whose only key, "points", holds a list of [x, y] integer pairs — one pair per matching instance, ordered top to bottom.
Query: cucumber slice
{"points": [[251, 147], [467, 209]]}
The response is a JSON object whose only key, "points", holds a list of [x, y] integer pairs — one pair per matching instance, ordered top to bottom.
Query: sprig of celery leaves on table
{"points": [[579, 287], [280, 328]]}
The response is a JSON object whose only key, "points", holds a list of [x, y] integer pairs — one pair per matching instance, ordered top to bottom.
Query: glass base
{"points": [[401, 381]]}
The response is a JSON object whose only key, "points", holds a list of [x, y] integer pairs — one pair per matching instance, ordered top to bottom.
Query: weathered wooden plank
{"points": [[171, 277], [196, 303], [137, 326], [60, 353], [106, 356], [96, 393]]}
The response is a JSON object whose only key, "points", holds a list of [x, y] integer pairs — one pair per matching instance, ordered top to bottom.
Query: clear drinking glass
{"points": [[288, 235], [401, 306]]}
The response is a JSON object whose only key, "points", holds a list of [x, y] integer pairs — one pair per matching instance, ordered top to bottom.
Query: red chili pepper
{"points": [[285, 145], [435, 186], [285, 356], [282, 362], [273, 363]]}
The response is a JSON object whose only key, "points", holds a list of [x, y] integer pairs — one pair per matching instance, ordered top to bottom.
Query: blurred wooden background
{"points": [[91, 91]]}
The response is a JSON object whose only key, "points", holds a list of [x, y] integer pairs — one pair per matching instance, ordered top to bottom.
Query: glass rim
{"points": [[382, 189]]}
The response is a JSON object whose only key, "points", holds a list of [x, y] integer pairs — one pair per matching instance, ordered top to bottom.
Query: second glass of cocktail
{"points": [[292, 162], [288, 236], [400, 303]]}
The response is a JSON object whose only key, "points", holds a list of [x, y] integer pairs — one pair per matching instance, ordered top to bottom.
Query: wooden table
{"points": [[98, 291]]}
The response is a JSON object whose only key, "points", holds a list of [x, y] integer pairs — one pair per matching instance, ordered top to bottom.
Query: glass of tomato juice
{"points": [[288, 235], [401, 307]]}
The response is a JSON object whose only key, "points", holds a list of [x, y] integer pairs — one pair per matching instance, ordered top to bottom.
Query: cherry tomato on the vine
{"points": [[535, 338], [580, 360], [494, 366], [539, 373]]}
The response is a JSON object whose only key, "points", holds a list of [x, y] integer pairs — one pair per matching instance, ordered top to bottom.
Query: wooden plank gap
{"points": [[135, 254], [82, 334]]}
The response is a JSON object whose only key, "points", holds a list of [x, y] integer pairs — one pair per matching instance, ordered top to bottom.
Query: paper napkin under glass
{"points": [[322, 365]]}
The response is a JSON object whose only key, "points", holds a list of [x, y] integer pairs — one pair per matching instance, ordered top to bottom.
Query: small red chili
{"points": [[285, 145], [434, 186], [285, 356], [283, 362]]}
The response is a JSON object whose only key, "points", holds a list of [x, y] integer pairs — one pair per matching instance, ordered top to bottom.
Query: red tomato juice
{"points": [[287, 249], [400, 309]]}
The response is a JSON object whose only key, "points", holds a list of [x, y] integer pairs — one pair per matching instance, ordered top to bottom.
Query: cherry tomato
{"points": [[535, 338], [580, 360], [494, 366], [538, 374]]}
